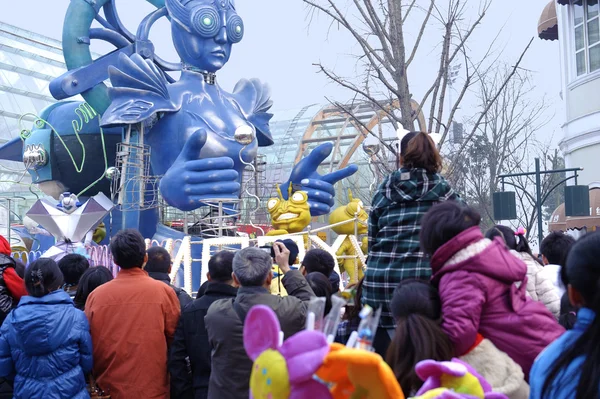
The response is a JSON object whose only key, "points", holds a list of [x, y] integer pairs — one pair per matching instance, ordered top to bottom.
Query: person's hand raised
{"points": [[282, 257]]}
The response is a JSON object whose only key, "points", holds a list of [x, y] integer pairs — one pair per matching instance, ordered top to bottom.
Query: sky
{"points": [[281, 46]]}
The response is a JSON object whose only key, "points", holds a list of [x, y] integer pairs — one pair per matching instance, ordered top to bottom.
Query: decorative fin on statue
{"points": [[139, 92], [254, 100], [13, 150]]}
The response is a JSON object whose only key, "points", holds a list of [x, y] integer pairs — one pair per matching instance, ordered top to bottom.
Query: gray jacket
{"points": [[231, 366]]}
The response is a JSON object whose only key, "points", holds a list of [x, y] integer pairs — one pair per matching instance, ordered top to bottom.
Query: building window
{"points": [[586, 22]]}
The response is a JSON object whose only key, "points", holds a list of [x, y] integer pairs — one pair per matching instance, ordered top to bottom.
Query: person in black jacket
{"points": [[159, 267], [190, 354]]}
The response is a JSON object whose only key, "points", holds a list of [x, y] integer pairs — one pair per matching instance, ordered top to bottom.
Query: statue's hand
{"points": [[191, 180], [319, 187]]}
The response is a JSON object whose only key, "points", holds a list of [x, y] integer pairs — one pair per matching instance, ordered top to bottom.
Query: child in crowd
{"points": [[555, 248], [72, 267], [476, 278], [91, 279], [539, 286], [321, 287], [418, 313], [350, 320], [45, 343], [569, 367]]}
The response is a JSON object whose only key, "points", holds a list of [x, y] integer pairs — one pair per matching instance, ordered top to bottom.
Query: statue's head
{"points": [[204, 31]]}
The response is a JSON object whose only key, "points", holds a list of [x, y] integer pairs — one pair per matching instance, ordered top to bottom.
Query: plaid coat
{"points": [[394, 227]]}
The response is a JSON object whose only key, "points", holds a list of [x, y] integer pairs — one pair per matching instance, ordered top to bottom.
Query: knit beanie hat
{"points": [[43, 277]]}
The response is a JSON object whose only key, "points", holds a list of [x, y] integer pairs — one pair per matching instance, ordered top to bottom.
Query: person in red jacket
{"points": [[12, 287]]}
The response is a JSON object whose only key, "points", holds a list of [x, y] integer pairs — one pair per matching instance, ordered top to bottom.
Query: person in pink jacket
{"points": [[476, 279]]}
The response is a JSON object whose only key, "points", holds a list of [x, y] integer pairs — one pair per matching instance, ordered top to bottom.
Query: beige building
{"points": [[575, 24]]}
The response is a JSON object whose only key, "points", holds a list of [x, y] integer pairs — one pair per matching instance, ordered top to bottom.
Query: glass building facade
{"points": [[28, 62]]}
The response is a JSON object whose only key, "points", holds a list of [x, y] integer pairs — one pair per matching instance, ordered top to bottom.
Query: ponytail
{"points": [[421, 152], [523, 244], [416, 307], [416, 338]]}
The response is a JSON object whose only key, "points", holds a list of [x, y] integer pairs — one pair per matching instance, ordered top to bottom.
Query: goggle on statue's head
{"points": [[204, 31]]}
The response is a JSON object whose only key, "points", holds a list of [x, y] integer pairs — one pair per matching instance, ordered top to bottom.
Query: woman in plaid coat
{"points": [[395, 222]]}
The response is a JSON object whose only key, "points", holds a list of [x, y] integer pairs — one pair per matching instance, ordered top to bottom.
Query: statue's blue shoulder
{"points": [[139, 91], [254, 99]]}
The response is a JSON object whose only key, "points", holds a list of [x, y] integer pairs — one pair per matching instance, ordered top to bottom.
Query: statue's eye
{"points": [[206, 21], [235, 28]]}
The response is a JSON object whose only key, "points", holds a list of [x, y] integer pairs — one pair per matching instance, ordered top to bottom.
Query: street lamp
{"points": [[577, 200]]}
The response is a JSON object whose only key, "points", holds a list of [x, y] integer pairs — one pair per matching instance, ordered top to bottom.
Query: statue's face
{"points": [[204, 31]]}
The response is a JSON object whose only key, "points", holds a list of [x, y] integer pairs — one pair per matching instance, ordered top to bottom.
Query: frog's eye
{"points": [[299, 197], [272, 203], [359, 207]]}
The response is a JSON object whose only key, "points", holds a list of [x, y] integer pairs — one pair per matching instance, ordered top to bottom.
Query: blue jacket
{"points": [[46, 347], [544, 362]]}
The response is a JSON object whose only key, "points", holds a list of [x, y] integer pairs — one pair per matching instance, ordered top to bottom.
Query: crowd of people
{"points": [[446, 289]]}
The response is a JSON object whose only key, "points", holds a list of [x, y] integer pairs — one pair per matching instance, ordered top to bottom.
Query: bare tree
{"points": [[386, 56], [501, 142], [552, 188]]}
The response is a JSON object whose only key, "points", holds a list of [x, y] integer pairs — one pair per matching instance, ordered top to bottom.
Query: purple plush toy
{"points": [[286, 371], [453, 380]]}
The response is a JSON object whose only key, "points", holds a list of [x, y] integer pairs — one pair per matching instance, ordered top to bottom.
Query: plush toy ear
{"points": [[261, 331], [304, 353], [431, 368], [430, 372]]}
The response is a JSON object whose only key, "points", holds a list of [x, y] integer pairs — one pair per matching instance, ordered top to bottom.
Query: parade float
{"points": [[152, 143]]}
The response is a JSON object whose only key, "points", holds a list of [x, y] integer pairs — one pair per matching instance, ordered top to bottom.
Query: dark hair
{"points": [[421, 152], [444, 222], [513, 241], [556, 246], [128, 249], [159, 260], [318, 260], [220, 266], [72, 267], [20, 268], [583, 274], [43, 277], [93, 278], [321, 287], [417, 309], [352, 312]]}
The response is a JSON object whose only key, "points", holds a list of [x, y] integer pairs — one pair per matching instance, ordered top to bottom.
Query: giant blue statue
{"points": [[199, 129], [201, 137]]}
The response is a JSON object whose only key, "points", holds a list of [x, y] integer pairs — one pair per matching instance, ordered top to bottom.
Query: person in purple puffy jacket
{"points": [[476, 279]]}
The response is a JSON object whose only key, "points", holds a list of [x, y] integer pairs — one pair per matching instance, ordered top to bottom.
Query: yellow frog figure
{"points": [[289, 216], [352, 264]]}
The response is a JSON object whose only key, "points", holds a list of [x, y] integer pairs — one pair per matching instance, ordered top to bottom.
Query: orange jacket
{"points": [[132, 321]]}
